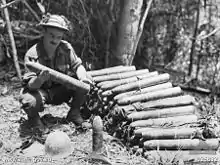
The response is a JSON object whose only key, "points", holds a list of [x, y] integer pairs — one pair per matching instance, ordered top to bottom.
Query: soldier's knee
{"points": [[28, 100], [31, 102]]}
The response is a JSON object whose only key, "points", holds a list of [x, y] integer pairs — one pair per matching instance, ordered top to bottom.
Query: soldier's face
{"points": [[52, 37]]}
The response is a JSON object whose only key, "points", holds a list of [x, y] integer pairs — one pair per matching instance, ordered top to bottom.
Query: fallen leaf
{"points": [[41, 7], [15, 79], [4, 91]]}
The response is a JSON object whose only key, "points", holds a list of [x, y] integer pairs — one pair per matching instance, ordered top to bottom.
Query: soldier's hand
{"points": [[44, 76], [88, 81]]}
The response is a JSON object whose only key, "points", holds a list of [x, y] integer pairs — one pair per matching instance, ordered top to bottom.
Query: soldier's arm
{"points": [[78, 68], [32, 80]]}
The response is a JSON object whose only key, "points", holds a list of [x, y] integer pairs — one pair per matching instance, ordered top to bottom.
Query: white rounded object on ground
{"points": [[58, 145]]}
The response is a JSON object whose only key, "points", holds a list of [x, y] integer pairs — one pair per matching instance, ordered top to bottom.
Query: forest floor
{"points": [[18, 140], [20, 145]]}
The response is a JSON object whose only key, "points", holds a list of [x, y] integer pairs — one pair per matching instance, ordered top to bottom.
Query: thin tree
{"points": [[130, 30], [194, 39]]}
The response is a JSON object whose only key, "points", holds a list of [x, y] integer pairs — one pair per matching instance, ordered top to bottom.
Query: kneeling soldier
{"points": [[59, 55]]}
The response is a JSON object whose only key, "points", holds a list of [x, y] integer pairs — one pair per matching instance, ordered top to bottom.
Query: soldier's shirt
{"points": [[65, 60]]}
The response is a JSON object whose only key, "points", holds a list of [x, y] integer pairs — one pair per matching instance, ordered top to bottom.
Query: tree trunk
{"points": [[127, 31], [171, 35], [12, 40], [194, 40], [2, 53]]}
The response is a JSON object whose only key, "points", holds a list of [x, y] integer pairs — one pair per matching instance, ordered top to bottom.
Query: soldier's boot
{"points": [[32, 104], [74, 114]]}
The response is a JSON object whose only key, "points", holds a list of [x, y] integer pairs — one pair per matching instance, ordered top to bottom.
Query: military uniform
{"points": [[65, 61]]}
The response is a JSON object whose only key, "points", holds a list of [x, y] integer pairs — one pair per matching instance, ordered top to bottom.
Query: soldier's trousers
{"points": [[33, 102]]}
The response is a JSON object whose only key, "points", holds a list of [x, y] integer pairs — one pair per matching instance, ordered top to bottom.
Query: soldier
{"points": [[59, 55]]}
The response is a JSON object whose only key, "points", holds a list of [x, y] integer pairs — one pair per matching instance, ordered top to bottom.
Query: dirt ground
{"points": [[18, 140], [21, 145]]}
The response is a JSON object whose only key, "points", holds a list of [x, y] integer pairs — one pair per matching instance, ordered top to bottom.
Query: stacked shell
{"points": [[144, 109]]}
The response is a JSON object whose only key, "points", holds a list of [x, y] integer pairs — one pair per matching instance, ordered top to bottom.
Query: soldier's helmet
{"points": [[56, 21], [58, 145]]}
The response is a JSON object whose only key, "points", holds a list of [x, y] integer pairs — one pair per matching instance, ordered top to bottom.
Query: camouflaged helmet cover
{"points": [[56, 21]]}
